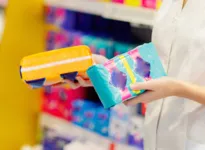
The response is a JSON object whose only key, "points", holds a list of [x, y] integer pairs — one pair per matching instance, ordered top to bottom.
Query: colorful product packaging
{"points": [[118, 1], [133, 2], [159, 3], [149, 4], [50, 14], [60, 17], [76, 38], [62, 39], [50, 40], [91, 42], [104, 47], [120, 48], [53, 67], [112, 80], [58, 101], [80, 108], [144, 108], [102, 121], [119, 124], [135, 132], [54, 141]]}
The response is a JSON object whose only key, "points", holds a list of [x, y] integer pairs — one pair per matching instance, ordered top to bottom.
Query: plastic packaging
{"points": [[53, 67], [112, 80]]}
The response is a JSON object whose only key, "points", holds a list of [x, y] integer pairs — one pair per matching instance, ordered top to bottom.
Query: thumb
{"points": [[141, 86]]}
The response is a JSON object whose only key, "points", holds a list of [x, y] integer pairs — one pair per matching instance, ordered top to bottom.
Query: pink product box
{"points": [[118, 1], [149, 4], [57, 101]]}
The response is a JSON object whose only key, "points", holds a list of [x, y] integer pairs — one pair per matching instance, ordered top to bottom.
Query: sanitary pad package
{"points": [[53, 67], [112, 80]]}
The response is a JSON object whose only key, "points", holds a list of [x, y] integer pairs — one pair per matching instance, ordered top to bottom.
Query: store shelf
{"points": [[134, 15], [65, 127]]}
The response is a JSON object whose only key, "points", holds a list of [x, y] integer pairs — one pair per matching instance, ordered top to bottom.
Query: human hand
{"points": [[81, 82], [155, 89]]}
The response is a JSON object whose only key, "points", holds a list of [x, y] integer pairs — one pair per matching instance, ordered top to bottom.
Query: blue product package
{"points": [[65, 19], [91, 42], [104, 47], [120, 48], [112, 80], [78, 106], [79, 109], [102, 121], [89, 124]]}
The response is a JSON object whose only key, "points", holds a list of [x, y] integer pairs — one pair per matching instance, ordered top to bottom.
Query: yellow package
{"points": [[133, 2], [158, 3], [53, 67]]}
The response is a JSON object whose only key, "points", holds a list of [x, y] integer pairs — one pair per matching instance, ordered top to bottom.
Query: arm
{"points": [[166, 87], [191, 91]]}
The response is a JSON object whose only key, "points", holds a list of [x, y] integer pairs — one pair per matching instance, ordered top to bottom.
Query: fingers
{"points": [[99, 59], [84, 83], [72, 84], [148, 85], [140, 86], [145, 98]]}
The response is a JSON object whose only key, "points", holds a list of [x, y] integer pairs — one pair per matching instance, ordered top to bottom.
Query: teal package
{"points": [[112, 80]]}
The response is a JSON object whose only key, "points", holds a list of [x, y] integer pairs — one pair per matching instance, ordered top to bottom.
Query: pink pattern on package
{"points": [[125, 94]]}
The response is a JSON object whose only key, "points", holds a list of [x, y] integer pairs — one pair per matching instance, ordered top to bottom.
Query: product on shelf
{"points": [[118, 1], [133, 2], [152, 4], [60, 17], [120, 48], [52, 67], [112, 80], [58, 101], [80, 108], [143, 108], [90, 116], [119, 124], [135, 132], [54, 140]]}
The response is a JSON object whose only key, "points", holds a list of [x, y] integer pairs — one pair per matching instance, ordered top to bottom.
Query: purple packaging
{"points": [[50, 14], [64, 19], [76, 38], [62, 39], [50, 40], [119, 124], [135, 133], [61, 141]]}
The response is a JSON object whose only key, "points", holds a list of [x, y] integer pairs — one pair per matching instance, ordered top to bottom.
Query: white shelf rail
{"points": [[134, 15], [67, 128]]}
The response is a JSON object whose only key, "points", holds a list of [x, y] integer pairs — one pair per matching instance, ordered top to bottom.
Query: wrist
{"points": [[178, 88]]}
